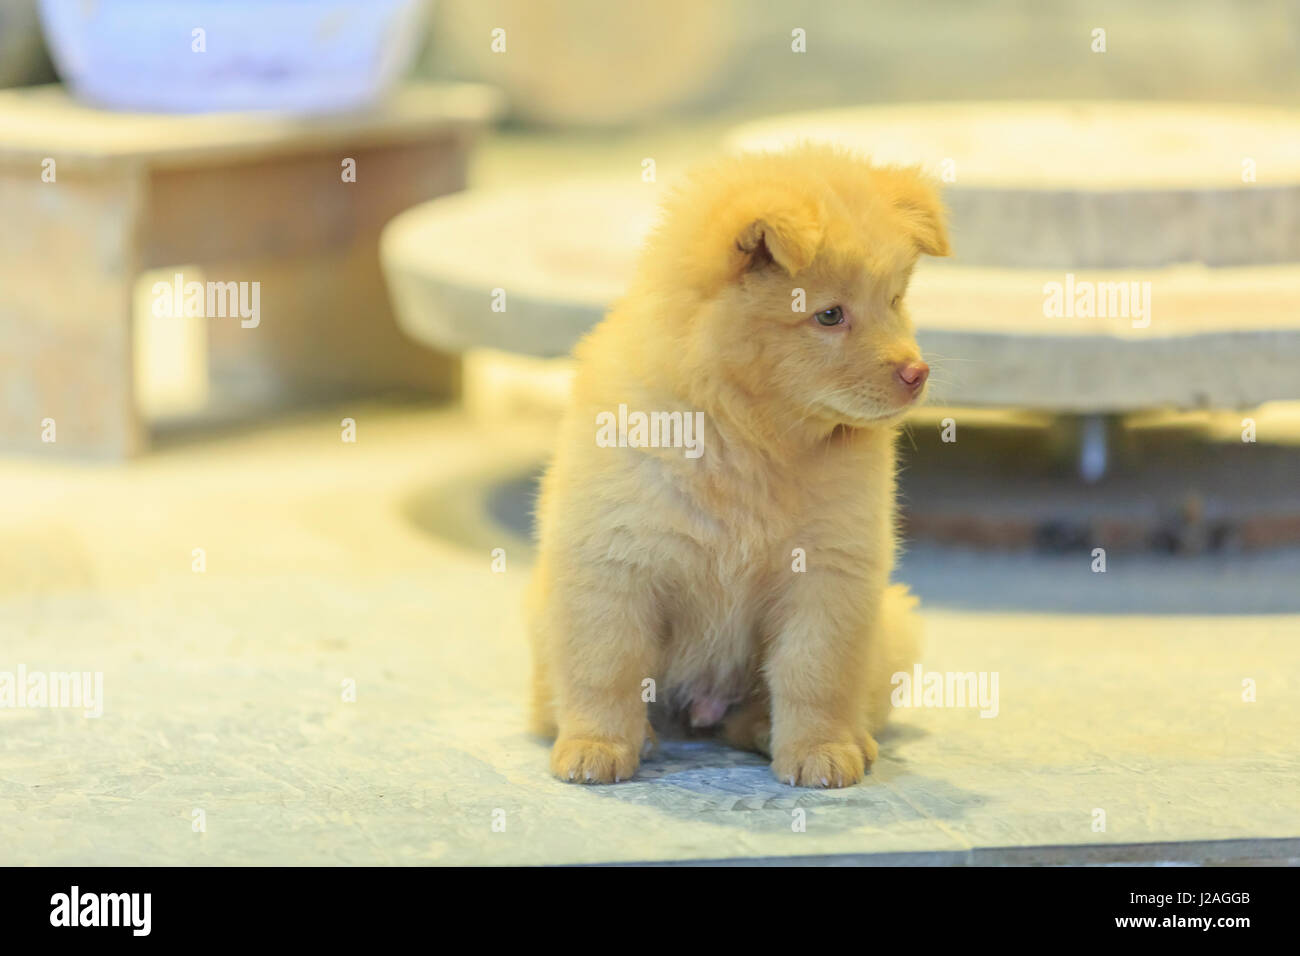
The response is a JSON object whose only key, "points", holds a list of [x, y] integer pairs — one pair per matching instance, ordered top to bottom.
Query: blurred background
{"points": [[286, 295]]}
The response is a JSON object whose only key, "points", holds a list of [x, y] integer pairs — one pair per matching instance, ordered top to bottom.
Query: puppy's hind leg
{"points": [[894, 648], [542, 713], [749, 725]]}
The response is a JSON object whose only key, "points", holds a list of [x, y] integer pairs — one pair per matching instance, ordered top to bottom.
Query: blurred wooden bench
{"points": [[245, 198]]}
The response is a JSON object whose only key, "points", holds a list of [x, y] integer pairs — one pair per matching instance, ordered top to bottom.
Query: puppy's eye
{"points": [[893, 303], [829, 317]]}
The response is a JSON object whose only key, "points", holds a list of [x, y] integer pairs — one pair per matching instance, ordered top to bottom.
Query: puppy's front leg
{"points": [[605, 647], [816, 673]]}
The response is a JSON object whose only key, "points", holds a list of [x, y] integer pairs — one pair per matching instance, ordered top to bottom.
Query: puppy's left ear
{"points": [[917, 200]]}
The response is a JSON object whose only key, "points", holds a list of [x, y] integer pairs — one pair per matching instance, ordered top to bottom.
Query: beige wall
{"points": [[734, 55]]}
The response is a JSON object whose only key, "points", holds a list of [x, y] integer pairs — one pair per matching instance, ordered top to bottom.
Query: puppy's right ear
{"points": [[731, 220], [760, 224], [787, 238]]}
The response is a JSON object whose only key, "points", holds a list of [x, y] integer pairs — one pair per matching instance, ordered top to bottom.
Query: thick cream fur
{"points": [[655, 566]]}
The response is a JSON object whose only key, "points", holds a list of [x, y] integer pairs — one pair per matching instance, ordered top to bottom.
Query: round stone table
{"points": [[1179, 223], [1214, 337]]}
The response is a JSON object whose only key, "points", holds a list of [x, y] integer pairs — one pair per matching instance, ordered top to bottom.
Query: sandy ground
{"points": [[226, 736]]}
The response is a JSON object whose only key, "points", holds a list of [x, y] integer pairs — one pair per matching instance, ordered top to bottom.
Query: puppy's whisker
{"points": [[907, 430]]}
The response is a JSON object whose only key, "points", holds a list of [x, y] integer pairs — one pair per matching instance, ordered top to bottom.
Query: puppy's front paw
{"points": [[594, 759], [827, 764]]}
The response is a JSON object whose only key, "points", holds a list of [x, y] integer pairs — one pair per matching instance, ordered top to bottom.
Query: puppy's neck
{"points": [[791, 439]]}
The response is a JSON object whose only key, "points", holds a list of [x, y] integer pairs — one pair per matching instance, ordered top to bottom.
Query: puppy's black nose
{"points": [[913, 374]]}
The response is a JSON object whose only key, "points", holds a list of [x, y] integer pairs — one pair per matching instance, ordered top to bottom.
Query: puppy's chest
{"points": [[737, 539], [720, 594], [714, 643]]}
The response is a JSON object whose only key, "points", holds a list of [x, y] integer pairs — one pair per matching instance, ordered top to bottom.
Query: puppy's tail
{"points": [[895, 647]]}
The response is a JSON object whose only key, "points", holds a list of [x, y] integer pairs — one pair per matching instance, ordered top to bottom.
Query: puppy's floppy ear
{"points": [[917, 200], [736, 217], [762, 223], [789, 238]]}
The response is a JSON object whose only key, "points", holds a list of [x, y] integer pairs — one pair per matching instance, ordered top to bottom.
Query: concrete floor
{"points": [[370, 562]]}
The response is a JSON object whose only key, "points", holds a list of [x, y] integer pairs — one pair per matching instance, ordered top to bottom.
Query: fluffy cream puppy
{"points": [[717, 526]]}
